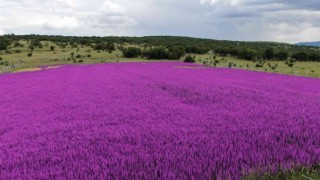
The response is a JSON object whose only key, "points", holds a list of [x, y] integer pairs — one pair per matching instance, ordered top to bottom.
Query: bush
{"points": [[52, 48], [131, 52], [176, 52], [158, 53], [29, 54], [89, 55], [78, 56], [300, 56], [189, 59], [80, 61]]}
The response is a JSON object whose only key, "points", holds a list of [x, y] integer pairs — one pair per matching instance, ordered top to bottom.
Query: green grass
{"points": [[46, 57], [309, 69], [297, 174]]}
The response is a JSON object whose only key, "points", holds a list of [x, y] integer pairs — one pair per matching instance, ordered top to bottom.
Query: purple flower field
{"points": [[156, 120]]}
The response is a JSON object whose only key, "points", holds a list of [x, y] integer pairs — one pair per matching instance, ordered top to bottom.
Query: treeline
{"points": [[172, 47], [173, 52], [269, 54]]}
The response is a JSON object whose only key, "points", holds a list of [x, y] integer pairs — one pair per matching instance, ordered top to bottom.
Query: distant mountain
{"points": [[316, 44]]}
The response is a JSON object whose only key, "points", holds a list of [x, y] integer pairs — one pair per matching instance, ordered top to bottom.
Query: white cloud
{"points": [[219, 2], [70, 17], [271, 20], [2, 32]]}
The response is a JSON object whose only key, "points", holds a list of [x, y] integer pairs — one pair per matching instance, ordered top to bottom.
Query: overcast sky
{"points": [[250, 20]]}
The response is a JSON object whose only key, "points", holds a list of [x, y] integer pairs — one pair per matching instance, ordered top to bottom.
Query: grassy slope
{"points": [[44, 56], [310, 69]]}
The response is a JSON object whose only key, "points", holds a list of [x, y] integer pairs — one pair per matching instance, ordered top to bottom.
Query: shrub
{"points": [[16, 44], [52, 48], [131, 52], [158, 53], [29, 54], [89, 55], [78, 56], [189, 59], [80, 61]]}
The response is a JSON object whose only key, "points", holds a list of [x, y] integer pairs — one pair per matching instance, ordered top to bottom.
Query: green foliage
{"points": [[36, 43], [4, 44], [16, 44], [105, 47], [52, 48], [197, 49], [243, 50], [223, 51], [131, 52], [176, 52], [157, 53], [269, 53], [29, 54], [248, 54], [282, 55], [300, 56], [189, 59], [290, 63], [260, 64], [294, 174]]}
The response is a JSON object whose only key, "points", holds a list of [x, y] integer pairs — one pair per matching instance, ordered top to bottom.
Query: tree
{"points": [[3, 45], [110, 47], [222, 51], [131, 52], [176, 52], [157, 53], [269, 53], [248, 54], [282, 55], [300, 56], [314, 57], [189, 59]]}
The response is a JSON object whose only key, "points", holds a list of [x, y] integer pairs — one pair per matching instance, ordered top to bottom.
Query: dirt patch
{"points": [[190, 67], [28, 70]]}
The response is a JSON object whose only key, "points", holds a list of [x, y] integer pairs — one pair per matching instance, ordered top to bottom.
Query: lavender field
{"points": [[156, 120]]}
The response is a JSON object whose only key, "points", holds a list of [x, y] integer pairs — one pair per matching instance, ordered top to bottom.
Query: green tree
{"points": [[131, 52], [269, 53], [282, 55], [300, 56], [189, 59]]}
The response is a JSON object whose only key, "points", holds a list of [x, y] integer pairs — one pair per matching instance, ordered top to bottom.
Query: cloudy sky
{"points": [[250, 20]]}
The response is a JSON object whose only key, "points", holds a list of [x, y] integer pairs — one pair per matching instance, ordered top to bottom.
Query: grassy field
{"points": [[17, 59], [309, 69]]}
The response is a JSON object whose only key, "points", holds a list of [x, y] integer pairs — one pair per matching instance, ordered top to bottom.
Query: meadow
{"points": [[18, 60], [157, 120]]}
